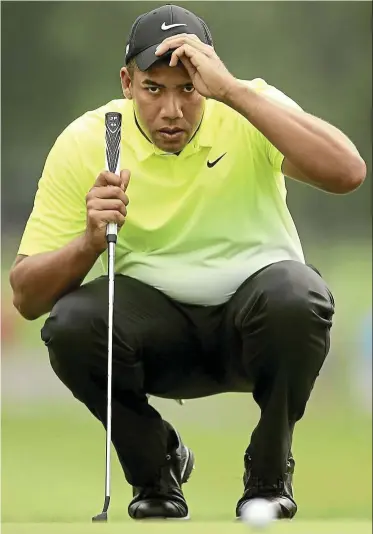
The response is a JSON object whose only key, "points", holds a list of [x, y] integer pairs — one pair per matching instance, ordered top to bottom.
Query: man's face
{"points": [[167, 106]]}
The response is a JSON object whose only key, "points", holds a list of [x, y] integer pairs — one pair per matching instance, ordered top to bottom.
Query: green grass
{"points": [[53, 471], [295, 527]]}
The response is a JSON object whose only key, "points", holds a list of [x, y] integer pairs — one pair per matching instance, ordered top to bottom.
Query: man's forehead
{"points": [[165, 75]]}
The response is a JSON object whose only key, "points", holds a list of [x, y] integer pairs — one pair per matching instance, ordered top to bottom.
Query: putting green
{"points": [[53, 476], [164, 527]]}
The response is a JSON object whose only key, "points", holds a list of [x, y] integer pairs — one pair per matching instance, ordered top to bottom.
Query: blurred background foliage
{"points": [[63, 58], [60, 59]]}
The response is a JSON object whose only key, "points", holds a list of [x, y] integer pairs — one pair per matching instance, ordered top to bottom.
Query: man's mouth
{"points": [[171, 133]]}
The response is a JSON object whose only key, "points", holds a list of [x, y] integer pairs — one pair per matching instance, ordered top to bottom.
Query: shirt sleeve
{"points": [[59, 212]]}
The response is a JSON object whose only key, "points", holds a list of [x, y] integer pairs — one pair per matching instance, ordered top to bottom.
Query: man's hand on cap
{"points": [[208, 73]]}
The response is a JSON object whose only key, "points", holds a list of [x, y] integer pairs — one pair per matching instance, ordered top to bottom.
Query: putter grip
{"points": [[113, 127]]}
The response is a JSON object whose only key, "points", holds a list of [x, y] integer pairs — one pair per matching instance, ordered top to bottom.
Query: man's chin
{"points": [[171, 144]]}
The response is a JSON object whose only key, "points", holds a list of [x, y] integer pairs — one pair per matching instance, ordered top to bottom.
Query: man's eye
{"points": [[189, 89], [153, 90]]}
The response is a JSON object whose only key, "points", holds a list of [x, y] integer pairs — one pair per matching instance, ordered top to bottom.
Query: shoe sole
{"points": [[158, 519]]}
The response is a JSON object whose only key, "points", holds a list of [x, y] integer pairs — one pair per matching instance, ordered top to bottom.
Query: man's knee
{"points": [[292, 291], [287, 300], [74, 320], [76, 334]]}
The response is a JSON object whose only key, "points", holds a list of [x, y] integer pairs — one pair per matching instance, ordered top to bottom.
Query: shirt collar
{"points": [[144, 149]]}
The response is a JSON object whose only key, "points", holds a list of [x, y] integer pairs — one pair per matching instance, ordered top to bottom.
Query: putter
{"points": [[113, 125]]}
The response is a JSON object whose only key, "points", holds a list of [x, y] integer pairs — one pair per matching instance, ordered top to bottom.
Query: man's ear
{"points": [[126, 83]]}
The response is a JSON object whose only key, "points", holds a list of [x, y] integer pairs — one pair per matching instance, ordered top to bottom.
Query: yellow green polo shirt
{"points": [[193, 231]]}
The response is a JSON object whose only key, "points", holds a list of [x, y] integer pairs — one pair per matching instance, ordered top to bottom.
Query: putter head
{"points": [[103, 516], [100, 517]]}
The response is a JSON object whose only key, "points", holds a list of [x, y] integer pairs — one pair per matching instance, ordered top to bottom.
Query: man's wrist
{"points": [[238, 95], [88, 248]]}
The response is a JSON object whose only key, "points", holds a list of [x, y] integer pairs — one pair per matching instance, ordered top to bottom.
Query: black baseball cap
{"points": [[150, 29]]}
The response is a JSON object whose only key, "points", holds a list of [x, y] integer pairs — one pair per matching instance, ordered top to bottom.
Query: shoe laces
{"points": [[158, 486], [259, 486], [266, 488]]}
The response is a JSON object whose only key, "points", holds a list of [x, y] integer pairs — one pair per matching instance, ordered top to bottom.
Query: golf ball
{"points": [[258, 513]]}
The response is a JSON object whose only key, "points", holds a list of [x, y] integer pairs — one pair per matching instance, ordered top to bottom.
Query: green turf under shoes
{"points": [[279, 491], [164, 499]]}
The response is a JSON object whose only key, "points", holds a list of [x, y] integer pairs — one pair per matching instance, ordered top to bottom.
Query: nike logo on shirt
{"points": [[165, 27], [212, 163]]}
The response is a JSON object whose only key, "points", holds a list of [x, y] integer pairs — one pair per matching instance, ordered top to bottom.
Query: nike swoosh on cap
{"points": [[165, 27]]}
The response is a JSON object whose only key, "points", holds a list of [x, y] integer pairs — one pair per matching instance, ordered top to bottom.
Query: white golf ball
{"points": [[258, 513]]}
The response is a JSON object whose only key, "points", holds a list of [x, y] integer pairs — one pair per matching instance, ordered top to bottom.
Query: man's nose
{"points": [[172, 108]]}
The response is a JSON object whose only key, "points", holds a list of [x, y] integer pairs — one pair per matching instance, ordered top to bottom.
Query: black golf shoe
{"points": [[279, 491], [164, 499]]}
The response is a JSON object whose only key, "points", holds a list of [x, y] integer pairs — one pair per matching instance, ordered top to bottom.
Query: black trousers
{"points": [[271, 339]]}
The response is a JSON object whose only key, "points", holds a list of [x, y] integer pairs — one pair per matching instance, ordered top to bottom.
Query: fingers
{"points": [[177, 41], [176, 55], [194, 56], [191, 69], [125, 176], [109, 178], [109, 191], [108, 196], [106, 204], [100, 218]]}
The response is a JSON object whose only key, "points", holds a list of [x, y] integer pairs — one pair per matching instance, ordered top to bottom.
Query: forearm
{"points": [[321, 152], [39, 281]]}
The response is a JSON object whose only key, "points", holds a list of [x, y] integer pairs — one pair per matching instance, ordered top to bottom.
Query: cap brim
{"points": [[147, 58]]}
